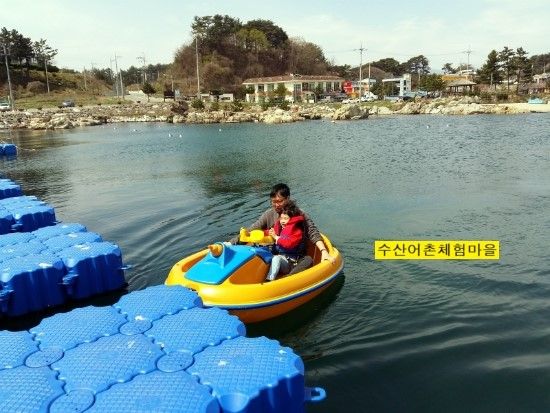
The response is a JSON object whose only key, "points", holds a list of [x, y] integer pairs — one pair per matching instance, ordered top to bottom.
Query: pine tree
{"points": [[506, 59], [523, 66], [490, 71]]}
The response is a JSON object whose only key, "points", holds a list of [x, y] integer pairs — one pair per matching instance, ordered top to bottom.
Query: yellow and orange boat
{"points": [[233, 277]]}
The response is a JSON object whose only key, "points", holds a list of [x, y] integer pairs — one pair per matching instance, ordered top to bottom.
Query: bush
{"points": [[36, 87], [502, 96], [486, 97], [197, 104], [265, 105], [284, 105], [215, 106], [237, 106], [180, 107]]}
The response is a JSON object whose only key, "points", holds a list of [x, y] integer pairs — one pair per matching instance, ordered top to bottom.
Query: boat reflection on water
{"points": [[297, 318]]}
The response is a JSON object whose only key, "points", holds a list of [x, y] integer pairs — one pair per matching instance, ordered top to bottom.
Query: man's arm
{"points": [[266, 221], [312, 231], [315, 237]]}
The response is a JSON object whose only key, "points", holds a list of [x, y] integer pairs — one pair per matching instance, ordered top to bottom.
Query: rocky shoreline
{"points": [[67, 118]]}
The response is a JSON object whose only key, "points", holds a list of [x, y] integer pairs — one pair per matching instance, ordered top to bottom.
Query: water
{"points": [[390, 336]]}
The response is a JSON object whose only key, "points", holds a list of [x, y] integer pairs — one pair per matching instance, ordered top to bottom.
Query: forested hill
{"points": [[231, 51]]}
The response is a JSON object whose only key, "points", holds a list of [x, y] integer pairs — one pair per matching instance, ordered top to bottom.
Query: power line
{"points": [[385, 52]]}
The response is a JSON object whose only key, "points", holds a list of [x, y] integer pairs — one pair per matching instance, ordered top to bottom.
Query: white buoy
{"points": [[169, 135]]}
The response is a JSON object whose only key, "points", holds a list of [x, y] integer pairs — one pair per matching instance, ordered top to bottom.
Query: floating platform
{"points": [[8, 149], [8, 189], [23, 213], [53, 265], [154, 350]]}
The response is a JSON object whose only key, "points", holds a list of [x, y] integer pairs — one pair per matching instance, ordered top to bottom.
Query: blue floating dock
{"points": [[8, 149], [9, 189], [22, 213], [53, 265], [156, 349]]}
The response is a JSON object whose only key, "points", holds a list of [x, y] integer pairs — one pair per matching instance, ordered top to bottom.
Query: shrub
{"points": [[36, 87], [486, 96], [502, 96], [197, 104], [284, 105], [215, 106], [237, 106], [180, 107]]}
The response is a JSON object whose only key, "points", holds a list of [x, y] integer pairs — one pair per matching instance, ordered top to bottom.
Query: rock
{"points": [[349, 112]]}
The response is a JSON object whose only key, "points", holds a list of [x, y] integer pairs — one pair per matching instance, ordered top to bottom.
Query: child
{"points": [[288, 233]]}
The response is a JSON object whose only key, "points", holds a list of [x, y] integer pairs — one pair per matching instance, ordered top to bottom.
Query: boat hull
{"points": [[247, 294]]}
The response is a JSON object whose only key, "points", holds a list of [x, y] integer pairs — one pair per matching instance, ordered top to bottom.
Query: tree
{"points": [[215, 31], [276, 36], [252, 39], [44, 54], [306, 58], [506, 59], [540, 63], [389, 65], [418, 65], [523, 66], [448, 68], [340, 70], [490, 71], [133, 75], [432, 83], [148, 89], [280, 92]]}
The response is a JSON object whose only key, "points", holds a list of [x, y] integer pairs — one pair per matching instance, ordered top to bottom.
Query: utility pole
{"points": [[361, 48], [468, 52], [197, 58], [142, 59], [46, 69], [120, 76], [115, 77], [369, 77], [12, 102]]}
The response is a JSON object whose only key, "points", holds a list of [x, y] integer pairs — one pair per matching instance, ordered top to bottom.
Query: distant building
{"points": [[402, 83], [460, 86], [299, 88], [358, 89]]}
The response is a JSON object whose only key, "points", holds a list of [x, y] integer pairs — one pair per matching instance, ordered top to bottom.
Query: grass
{"points": [[63, 86], [54, 99]]}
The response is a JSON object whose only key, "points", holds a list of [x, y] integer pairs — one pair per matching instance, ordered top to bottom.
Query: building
{"points": [[403, 83], [460, 86], [298, 88], [358, 89]]}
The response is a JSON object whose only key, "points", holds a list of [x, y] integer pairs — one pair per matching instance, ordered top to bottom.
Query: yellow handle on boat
{"points": [[256, 236]]}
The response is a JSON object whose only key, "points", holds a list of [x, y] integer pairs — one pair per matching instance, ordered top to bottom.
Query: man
{"points": [[280, 194]]}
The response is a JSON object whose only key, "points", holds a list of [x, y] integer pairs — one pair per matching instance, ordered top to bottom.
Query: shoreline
{"points": [[68, 118]]}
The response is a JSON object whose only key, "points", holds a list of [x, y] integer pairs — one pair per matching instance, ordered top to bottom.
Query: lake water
{"points": [[415, 336]]}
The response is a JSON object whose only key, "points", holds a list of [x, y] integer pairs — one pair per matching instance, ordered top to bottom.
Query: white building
{"points": [[403, 83], [298, 87]]}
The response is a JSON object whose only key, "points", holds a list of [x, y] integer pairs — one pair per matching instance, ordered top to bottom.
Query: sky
{"points": [[91, 33]]}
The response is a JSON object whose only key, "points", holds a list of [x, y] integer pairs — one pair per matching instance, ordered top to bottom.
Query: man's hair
{"points": [[281, 190], [291, 209]]}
